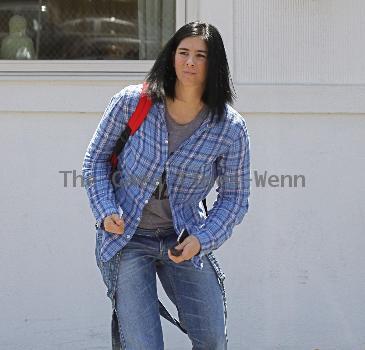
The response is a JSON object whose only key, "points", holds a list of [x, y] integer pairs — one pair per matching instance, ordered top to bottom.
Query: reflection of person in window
{"points": [[17, 45], [191, 87]]}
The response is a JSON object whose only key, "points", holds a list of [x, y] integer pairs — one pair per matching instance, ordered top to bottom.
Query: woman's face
{"points": [[191, 61]]}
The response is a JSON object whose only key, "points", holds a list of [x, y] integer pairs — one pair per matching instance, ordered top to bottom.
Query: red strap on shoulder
{"points": [[141, 111]]}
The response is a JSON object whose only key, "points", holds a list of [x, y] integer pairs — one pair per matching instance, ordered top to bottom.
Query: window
{"points": [[85, 29]]}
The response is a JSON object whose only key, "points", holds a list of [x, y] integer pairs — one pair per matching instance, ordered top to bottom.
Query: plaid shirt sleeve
{"points": [[96, 166], [231, 205]]}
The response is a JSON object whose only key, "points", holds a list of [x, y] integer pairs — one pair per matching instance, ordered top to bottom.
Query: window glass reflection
{"points": [[85, 29]]}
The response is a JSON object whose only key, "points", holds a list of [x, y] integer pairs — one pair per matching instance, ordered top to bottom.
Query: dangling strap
{"points": [[205, 206], [165, 314], [115, 332]]}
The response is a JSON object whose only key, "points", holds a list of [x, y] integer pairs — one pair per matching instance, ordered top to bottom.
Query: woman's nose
{"points": [[190, 61]]}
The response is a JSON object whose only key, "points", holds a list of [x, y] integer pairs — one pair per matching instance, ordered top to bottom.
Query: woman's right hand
{"points": [[114, 224]]}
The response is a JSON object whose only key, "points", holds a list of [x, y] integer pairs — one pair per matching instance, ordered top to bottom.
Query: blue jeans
{"points": [[196, 294]]}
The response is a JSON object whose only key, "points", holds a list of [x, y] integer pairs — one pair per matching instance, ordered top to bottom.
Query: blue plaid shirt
{"points": [[216, 151]]}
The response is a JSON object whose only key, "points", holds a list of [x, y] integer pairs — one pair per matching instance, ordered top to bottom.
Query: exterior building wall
{"points": [[294, 266]]}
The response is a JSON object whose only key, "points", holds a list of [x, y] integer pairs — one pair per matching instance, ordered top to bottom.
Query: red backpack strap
{"points": [[141, 111], [134, 122]]}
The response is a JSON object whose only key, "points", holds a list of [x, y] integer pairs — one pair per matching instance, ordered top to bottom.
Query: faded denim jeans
{"points": [[197, 295]]}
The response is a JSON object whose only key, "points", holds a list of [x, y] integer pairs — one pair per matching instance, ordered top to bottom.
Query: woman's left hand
{"points": [[190, 247]]}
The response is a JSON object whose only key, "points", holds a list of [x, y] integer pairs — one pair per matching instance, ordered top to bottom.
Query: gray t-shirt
{"points": [[157, 212]]}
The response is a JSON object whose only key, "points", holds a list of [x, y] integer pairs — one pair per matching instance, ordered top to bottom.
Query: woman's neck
{"points": [[190, 96], [186, 105]]}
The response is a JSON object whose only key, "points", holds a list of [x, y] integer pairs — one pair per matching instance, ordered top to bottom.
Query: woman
{"points": [[190, 138]]}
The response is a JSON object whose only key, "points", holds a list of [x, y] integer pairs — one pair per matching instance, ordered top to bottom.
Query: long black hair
{"points": [[219, 88]]}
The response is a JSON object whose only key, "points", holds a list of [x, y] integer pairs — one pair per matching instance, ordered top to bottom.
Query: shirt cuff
{"points": [[106, 212], [206, 242]]}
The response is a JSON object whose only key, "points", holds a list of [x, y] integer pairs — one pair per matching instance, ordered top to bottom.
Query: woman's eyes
{"points": [[184, 53]]}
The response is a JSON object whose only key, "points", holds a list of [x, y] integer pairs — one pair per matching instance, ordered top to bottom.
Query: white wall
{"points": [[286, 41], [294, 266]]}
